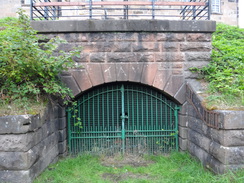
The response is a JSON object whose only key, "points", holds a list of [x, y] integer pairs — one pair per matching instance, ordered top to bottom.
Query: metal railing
{"points": [[120, 9]]}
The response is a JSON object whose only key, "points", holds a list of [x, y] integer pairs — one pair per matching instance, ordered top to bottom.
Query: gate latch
{"points": [[124, 117]]}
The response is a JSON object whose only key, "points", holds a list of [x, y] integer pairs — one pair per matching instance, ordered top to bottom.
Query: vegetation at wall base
{"points": [[29, 66], [225, 72], [176, 167]]}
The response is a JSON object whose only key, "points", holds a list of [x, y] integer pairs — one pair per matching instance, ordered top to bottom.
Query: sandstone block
{"points": [[129, 37], [146, 37], [171, 37], [199, 37], [121, 47], [145, 47], [170, 47], [196, 47], [198, 56], [97, 57], [121, 57], [145, 57], [169, 57], [109, 72], [122, 72], [135, 72], [95, 73], [148, 73], [161, 78], [82, 79], [70, 82], [174, 84], [180, 96], [183, 132], [199, 139], [183, 144], [8, 176]]}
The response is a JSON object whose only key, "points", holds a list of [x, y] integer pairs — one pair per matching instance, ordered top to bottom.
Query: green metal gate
{"points": [[123, 118]]}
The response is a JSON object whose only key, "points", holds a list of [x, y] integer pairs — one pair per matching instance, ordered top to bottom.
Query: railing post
{"points": [[209, 8], [31, 9], [90, 9], [153, 9], [46, 16], [126, 16]]}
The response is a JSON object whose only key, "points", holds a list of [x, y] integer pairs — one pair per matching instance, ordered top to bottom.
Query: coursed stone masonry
{"points": [[28, 144]]}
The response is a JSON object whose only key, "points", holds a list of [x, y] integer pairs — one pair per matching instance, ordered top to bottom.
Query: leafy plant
{"points": [[30, 64], [225, 72]]}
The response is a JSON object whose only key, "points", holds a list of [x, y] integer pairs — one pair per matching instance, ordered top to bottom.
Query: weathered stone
{"points": [[98, 37], [129, 37], [146, 37], [171, 37], [198, 37], [121, 47], [145, 47], [170, 47], [198, 47], [198, 56], [83, 57], [97, 57], [121, 57], [145, 57], [169, 57], [109, 72], [122, 72], [135, 72], [148, 73], [95, 74], [161, 78], [82, 79], [71, 83], [174, 84], [180, 96], [183, 109], [61, 111], [232, 119], [183, 120], [19, 123], [62, 123], [198, 125], [183, 132], [62, 135], [199, 139], [183, 144], [62, 147], [227, 155], [17, 160], [44, 161], [8, 176]]}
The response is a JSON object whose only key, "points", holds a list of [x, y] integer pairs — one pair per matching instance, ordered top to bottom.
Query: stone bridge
{"points": [[155, 53]]}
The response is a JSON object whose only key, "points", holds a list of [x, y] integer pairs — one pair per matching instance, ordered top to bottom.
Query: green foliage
{"points": [[29, 64], [225, 73], [174, 168]]}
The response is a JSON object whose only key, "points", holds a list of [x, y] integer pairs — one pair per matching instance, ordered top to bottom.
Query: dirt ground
{"points": [[118, 162]]}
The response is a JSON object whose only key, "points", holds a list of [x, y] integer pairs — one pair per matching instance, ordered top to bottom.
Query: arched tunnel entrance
{"points": [[124, 117]]}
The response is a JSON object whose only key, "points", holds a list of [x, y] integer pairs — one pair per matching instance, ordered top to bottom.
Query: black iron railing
{"points": [[120, 9]]}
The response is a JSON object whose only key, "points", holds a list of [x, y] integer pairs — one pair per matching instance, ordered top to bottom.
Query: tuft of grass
{"points": [[176, 167]]}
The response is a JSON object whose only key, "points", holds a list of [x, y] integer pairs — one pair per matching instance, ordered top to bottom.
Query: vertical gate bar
{"points": [[123, 119], [176, 127], [69, 130]]}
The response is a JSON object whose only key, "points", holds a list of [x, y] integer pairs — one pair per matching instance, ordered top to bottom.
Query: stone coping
{"points": [[61, 26]]}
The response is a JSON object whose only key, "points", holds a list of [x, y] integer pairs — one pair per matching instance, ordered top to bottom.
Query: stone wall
{"points": [[159, 56], [28, 144], [219, 149]]}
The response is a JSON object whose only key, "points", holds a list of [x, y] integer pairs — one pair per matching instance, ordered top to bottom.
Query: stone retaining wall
{"points": [[28, 144], [218, 149]]}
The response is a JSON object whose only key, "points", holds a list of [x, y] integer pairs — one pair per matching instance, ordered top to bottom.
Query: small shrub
{"points": [[29, 68]]}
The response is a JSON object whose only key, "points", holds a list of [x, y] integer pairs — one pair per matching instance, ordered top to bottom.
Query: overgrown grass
{"points": [[225, 72], [176, 168]]}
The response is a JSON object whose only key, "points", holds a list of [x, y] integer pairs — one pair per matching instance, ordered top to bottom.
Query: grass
{"points": [[174, 168]]}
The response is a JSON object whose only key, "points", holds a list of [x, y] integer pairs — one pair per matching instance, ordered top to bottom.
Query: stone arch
{"points": [[152, 74]]}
